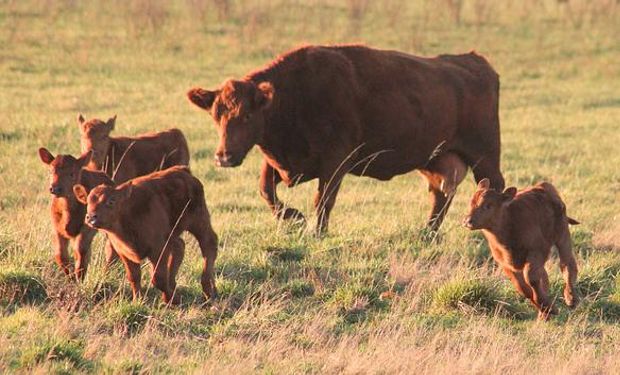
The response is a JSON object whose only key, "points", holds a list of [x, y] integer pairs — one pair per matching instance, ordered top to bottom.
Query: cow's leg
{"points": [[488, 167], [269, 180], [330, 180], [207, 240], [81, 252], [177, 252], [110, 254], [61, 255], [568, 265], [133, 276], [536, 277], [160, 278], [519, 283]]}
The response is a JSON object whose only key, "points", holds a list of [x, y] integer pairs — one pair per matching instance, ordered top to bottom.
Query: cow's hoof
{"points": [[291, 214], [571, 300]]}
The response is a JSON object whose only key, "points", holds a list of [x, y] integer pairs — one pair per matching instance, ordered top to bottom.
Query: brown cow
{"points": [[325, 111], [124, 158], [67, 213], [144, 218], [521, 228]]}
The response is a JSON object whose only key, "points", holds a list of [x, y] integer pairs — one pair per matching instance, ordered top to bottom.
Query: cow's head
{"points": [[237, 108], [95, 136], [64, 171], [103, 203], [486, 205]]}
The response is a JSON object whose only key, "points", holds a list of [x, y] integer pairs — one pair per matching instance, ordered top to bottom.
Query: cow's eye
{"points": [[247, 117], [109, 202], [486, 206]]}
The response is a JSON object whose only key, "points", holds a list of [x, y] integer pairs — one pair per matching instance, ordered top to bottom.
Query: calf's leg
{"points": [[269, 180], [207, 240], [81, 252], [60, 253], [177, 253], [110, 255], [568, 265], [133, 276], [536, 277], [160, 278], [519, 283]]}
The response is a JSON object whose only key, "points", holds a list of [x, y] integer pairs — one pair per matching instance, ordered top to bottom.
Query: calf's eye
{"points": [[247, 117]]}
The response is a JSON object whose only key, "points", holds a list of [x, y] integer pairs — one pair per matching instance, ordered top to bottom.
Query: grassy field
{"points": [[371, 297]]}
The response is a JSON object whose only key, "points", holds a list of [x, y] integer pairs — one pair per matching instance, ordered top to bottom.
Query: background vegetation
{"points": [[369, 298]]}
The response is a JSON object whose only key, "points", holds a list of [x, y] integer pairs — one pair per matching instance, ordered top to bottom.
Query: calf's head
{"points": [[237, 108], [95, 136], [64, 171], [103, 203], [486, 205]]}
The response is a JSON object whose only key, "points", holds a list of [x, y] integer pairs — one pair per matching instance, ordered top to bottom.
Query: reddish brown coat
{"points": [[322, 112], [124, 158], [66, 212], [144, 218], [521, 228]]}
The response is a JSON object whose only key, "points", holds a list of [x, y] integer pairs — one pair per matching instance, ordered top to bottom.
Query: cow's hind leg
{"points": [[269, 180], [207, 240], [568, 265]]}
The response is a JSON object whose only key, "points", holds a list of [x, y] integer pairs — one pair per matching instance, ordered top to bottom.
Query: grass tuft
{"points": [[21, 287]]}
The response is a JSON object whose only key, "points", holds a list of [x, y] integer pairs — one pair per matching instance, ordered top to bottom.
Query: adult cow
{"points": [[325, 111]]}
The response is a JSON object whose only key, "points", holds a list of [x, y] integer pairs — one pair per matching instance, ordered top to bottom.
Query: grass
{"points": [[372, 296]]}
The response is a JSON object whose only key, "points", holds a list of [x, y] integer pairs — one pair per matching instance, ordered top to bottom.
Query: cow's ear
{"points": [[264, 95], [202, 98], [111, 122], [45, 155], [484, 184], [80, 193], [509, 193]]}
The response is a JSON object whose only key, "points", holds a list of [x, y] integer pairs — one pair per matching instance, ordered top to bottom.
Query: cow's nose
{"points": [[223, 159], [56, 190], [92, 219], [468, 223]]}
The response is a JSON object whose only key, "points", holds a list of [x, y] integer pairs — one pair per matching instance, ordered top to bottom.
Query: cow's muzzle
{"points": [[227, 160], [56, 190]]}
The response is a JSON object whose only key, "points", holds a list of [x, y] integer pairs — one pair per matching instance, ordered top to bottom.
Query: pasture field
{"points": [[370, 297]]}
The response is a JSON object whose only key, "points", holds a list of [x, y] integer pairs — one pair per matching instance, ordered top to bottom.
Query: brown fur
{"points": [[322, 112], [124, 158], [67, 213], [144, 218], [521, 228]]}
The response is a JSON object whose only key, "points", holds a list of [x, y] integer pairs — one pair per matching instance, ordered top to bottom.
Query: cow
{"points": [[326, 111], [123, 158], [68, 214], [144, 218], [521, 227]]}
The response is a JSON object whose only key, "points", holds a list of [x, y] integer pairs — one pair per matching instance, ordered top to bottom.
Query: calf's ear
{"points": [[264, 95], [202, 98], [81, 121], [111, 122], [45, 155], [484, 184], [80, 193], [509, 193]]}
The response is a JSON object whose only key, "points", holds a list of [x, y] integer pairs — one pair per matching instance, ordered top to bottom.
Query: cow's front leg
{"points": [[269, 180]]}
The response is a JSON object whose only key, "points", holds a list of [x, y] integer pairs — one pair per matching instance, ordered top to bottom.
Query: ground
{"points": [[372, 296]]}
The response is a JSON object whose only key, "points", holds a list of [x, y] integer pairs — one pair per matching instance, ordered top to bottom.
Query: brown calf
{"points": [[124, 158], [67, 213], [144, 218], [521, 228]]}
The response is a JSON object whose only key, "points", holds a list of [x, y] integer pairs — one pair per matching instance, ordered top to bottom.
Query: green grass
{"points": [[372, 296]]}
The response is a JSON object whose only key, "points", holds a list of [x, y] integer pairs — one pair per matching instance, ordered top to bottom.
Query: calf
{"points": [[123, 158], [445, 172], [67, 213], [144, 218], [521, 228]]}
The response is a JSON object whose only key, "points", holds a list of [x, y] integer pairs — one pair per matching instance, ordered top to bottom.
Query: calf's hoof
{"points": [[571, 300], [545, 314]]}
